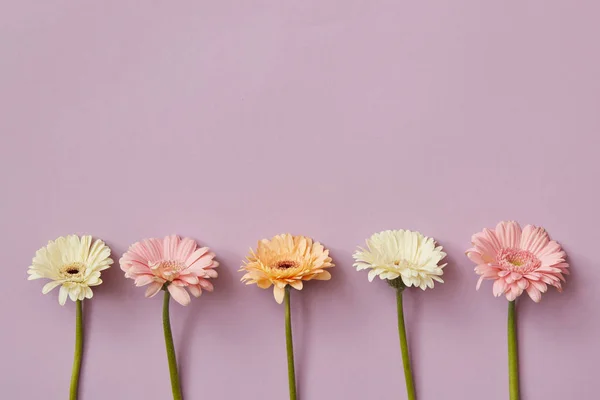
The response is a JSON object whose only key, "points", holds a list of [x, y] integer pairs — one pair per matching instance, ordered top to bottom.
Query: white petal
{"points": [[372, 274], [50, 285], [62, 295]]}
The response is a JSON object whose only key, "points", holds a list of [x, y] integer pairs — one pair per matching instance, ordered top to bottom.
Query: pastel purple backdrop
{"points": [[230, 121]]}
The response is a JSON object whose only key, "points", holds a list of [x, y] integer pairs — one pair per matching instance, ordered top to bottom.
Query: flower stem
{"points": [[289, 345], [78, 351], [513, 356], [410, 385], [175, 386]]}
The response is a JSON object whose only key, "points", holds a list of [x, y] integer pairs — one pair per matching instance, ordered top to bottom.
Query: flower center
{"points": [[518, 260], [286, 264], [167, 269], [72, 270]]}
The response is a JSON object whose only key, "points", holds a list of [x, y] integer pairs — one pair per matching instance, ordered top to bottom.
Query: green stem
{"points": [[289, 345], [78, 352], [513, 356], [410, 385], [175, 386]]}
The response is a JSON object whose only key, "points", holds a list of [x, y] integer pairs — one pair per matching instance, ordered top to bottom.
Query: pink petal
{"points": [[509, 234], [534, 239], [486, 243], [170, 246], [550, 248], [186, 249], [154, 250], [196, 255], [475, 256], [552, 257], [203, 262], [214, 264], [564, 267], [136, 268], [487, 271], [209, 273], [516, 276], [533, 276], [190, 279], [549, 279], [143, 280], [479, 283], [522, 284], [206, 285], [499, 287], [542, 287], [558, 287], [153, 289], [195, 290], [516, 290], [513, 292], [534, 293], [179, 295]]}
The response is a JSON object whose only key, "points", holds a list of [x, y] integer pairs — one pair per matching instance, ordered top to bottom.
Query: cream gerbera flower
{"points": [[402, 254], [286, 260], [72, 263]]}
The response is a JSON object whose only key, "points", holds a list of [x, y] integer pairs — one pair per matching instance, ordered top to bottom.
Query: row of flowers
{"points": [[517, 260]]}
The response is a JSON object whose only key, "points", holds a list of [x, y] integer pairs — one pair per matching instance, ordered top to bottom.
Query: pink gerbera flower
{"points": [[518, 260], [174, 262]]}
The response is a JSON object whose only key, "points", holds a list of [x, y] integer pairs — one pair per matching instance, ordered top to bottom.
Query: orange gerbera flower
{"points": [[286, 260]]}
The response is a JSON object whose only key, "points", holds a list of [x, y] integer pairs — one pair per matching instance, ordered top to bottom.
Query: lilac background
{"points": [[230, 121]]}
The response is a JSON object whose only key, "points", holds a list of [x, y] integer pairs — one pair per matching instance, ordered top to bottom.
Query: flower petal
{"points": [[509, 234], [534, 239], [323, 276], [143, 280], [298, 284], [50, 285], [499, 287], [153, 288], [195, 290], [279, 293], [534, 293], [179, 294], [62, 295]]}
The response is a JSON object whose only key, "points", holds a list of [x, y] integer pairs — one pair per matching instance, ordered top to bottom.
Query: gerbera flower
{"points": [[401, 253], [403, 258], [286, 260], [518, 260], [174, 262], [73, 263]]}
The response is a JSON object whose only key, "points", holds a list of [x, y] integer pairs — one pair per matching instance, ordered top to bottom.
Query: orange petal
{"points": [[323, 276], [279, 293]]}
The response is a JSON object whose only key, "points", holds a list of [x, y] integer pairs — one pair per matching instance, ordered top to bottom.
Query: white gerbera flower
{"points": [[405, 254], [73, 262]]}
